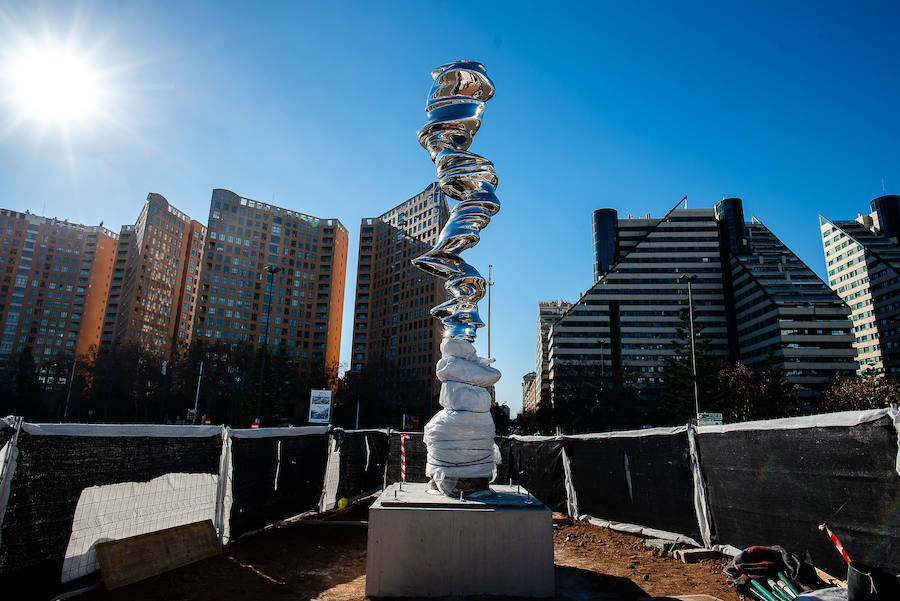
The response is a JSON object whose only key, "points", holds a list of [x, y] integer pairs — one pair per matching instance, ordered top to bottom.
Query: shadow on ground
{"points": [[325, 560], [575, 584]]}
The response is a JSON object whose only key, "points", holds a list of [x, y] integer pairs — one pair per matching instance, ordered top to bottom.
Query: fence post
{"points": [[8, 467], [224, 489], [571, 495], [701, 500]]}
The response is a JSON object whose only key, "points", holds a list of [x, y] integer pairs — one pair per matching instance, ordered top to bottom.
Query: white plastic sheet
{"points": [[458, 369], [465, 397], [460, 437], [116, 511]]}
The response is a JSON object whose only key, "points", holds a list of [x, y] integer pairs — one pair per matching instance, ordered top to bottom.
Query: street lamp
{"points": [[271, 270], [690, 279], [490, 284], [601, 342], [69, 393], [197, 394]]}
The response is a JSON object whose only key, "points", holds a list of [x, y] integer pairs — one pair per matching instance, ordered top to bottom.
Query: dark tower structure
{"points": [[606, 242]]}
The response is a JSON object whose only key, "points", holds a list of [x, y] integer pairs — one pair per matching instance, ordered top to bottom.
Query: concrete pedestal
{"points": [[422, 545]]}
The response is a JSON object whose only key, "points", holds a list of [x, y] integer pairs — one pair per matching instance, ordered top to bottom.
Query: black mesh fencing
{"points": [[503, 445], [364, 455], [415, 457], [537, 464], [51, 473], [275, 478], [644, 480], [769, 485], [775, 486]]}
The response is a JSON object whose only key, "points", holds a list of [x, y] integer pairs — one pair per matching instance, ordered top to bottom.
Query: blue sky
{"points": [[315, 106]]}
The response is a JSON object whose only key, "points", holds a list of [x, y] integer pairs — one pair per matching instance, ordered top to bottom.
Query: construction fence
{"points": [[66, 487], [727, 487]]}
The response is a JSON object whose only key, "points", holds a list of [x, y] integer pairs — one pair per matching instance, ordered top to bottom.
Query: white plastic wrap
{"points": [[458, 348], [457, 369], [465, 397], [459, 425], [460, 437]]}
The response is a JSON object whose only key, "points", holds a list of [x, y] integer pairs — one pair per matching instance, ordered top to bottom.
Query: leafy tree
{"points": [[353, 390], [26, 391], [866, 392], [756, 394], [577, 397], [258, 400], [585, 401], [501, 420], [538, 422]]}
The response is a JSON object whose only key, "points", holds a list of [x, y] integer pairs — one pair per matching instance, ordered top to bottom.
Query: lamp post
{"points": [[271, 270], [690, 279], [490, 284], [601, 342], [69, 393], [197, 394]]}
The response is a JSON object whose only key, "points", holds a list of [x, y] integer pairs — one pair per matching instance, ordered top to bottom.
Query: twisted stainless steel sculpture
{"points": [[455, 103], [461, 450]]}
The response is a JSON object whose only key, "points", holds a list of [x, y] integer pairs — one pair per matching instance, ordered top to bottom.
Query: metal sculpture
{"points": [[461, 451]]}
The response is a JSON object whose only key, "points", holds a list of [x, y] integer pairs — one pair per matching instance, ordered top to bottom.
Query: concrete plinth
{"points": [[422, 545]]}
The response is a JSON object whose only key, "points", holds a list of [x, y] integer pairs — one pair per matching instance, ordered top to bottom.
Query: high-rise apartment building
{"points": [[863, 262], [271, 271], [56, 278], [155, 278], [753, 300], [784, 312], [548, 313], [396, 341], [529, 399]]}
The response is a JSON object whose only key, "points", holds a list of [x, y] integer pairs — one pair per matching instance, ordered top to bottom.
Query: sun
{"points": [[52, 84]]}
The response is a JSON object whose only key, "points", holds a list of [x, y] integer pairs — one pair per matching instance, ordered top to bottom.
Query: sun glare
{"points": [[53, 85]]}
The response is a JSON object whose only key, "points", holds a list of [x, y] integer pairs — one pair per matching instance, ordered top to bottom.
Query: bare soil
{"points": [[327, 562]]}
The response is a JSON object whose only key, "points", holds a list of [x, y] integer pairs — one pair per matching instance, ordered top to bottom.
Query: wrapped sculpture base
{"points": [[462, 456], [468, 487]]}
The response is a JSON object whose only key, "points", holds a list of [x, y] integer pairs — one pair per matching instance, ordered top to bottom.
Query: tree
{"points": [[26, 392], [866, 392], [756, 394], [352, 395], [577, 397], [257, 398], [677, 404], [501, 419], [538, 422]]}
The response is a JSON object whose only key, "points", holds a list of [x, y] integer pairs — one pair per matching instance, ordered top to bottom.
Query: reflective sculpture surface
{"points": [[454, 105], [460, 438]]}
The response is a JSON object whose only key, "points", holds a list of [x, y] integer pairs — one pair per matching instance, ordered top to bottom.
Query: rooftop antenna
{"points": [[685, 201]]}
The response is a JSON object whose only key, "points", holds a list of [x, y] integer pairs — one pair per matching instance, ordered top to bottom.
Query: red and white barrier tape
{"points": [[403, 438], [836, 542]]}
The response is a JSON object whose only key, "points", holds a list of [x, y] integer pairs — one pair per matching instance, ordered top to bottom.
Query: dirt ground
{"points": [[327, 562]]}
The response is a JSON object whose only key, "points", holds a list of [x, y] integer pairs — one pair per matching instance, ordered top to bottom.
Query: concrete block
{"points": [[422, 545], [695, 555]]}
